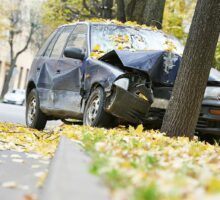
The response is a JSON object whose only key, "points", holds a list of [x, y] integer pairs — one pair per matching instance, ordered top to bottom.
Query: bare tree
{"points": [[15, 28], [184, 107]]}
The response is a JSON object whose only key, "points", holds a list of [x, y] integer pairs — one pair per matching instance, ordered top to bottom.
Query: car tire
{"points": [[94, 113], [35, 118]]}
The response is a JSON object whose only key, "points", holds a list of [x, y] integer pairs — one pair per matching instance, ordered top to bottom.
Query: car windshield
{"points": [[105, 38]]}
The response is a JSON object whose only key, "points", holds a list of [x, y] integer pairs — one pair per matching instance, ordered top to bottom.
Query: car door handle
{"points": [[38, 69], [58, 71]]}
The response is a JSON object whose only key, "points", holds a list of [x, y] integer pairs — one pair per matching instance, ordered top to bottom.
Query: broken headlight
{"points": [[122, 83]]}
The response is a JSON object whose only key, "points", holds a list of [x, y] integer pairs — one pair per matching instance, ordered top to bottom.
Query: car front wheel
{"points": [[94, 113], [35, 118]]}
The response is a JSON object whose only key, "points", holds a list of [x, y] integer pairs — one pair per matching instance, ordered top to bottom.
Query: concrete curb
{"points": [[69, 178]]}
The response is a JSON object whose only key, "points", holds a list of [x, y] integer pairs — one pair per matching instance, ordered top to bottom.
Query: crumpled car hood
{"points": [[161, 66]]}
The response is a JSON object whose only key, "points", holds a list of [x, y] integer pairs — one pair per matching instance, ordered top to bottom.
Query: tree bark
{"points": [[121, 10], [184, 107]]}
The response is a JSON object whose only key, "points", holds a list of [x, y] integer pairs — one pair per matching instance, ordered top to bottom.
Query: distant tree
{"points": [[107, 9], [57, 12], [148, 12], [121, 16], [15, 25], [184, 107]]}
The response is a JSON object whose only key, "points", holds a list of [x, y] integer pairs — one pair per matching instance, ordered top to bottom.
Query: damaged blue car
{"points": [[104, 74]]}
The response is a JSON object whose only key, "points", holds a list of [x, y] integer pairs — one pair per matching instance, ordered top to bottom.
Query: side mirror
{"points": [[75, 53]]}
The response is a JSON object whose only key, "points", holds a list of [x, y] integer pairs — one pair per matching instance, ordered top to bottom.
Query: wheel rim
{"points": [[31, 110], [92, 110]]}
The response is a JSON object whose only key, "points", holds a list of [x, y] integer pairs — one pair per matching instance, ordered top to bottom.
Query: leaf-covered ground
{"points": [[22, 139], [24, 158], [135, 164]]}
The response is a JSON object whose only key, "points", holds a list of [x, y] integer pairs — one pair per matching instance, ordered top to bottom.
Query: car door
{"points": [[45, 67], [48, 70], [67, 84]]}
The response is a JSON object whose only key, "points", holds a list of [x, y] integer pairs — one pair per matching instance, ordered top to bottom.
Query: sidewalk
{"points": [[69, 176]]}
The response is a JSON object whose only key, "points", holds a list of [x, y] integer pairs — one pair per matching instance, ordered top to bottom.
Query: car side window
{"points": [[78, 38], [61, 41], [52, 42], [46, 43]]}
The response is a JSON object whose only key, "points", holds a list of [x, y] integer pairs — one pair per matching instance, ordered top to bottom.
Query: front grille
{"points": [[202, 121], [207, 122], [214, 124]]}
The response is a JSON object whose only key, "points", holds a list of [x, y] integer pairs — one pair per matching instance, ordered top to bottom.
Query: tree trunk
{"points": [[107, 9], [121, 10], [138, 11], [148, 12], [153, 13], [132, 14], [12, 64], [7, 79], [184, 107]]}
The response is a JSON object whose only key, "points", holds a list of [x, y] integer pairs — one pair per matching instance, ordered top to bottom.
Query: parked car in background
{"points": [[105, 73], [15, 97]]}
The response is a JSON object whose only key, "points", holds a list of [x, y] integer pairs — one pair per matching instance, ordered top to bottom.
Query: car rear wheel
{"points": [[94, 113], [35, 118]]}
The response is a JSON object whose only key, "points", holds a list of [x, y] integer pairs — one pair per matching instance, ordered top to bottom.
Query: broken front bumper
{"points": [[128, 106]]}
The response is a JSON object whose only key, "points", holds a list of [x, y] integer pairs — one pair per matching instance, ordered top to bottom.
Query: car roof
{"points": [[75, 23], [89, 23], [150, 29]]}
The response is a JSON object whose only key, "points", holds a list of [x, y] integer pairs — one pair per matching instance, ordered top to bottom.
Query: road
{"points": [[12, 113], [16, 114], [18, 178]]}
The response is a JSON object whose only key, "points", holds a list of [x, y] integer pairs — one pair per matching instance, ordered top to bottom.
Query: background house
{"points": [[23, 64]]}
